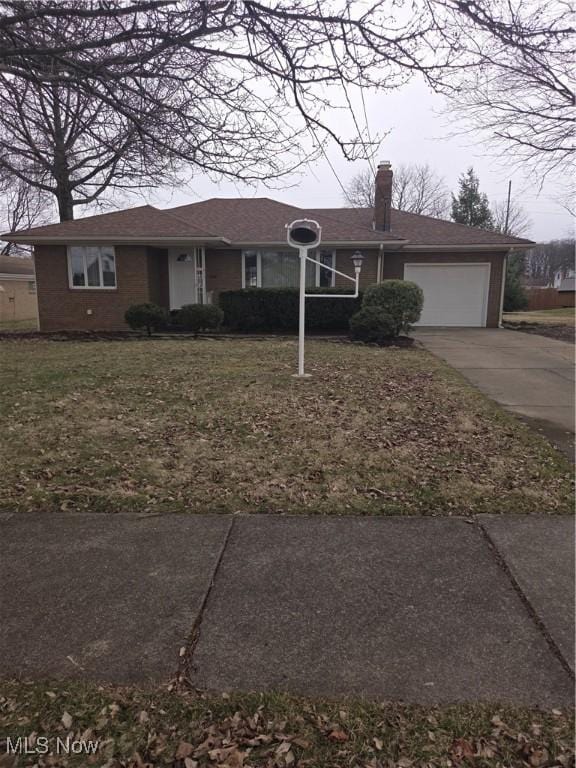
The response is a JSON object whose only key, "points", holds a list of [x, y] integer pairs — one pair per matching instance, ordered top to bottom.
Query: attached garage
{"points": [[454, 294]]}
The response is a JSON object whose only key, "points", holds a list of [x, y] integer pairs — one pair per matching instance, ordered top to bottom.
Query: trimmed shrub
{"points": [[402, 300], [276, 309], [148, 316], [199, 317], [372, 324]]}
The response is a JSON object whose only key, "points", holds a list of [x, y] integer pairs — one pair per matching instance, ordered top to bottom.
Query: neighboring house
{"points": [[89, 271], [564, 279], [17, 289], [559, 293]]}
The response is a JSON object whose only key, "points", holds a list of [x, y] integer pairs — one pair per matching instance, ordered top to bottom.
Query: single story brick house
{"points": [[89, 271]]}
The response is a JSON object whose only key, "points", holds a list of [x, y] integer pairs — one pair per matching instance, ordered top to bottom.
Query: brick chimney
{"points": [[383, 196]]}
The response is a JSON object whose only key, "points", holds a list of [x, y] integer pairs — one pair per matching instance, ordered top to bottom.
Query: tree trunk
{"points": [[61, 168], [65, 201]]}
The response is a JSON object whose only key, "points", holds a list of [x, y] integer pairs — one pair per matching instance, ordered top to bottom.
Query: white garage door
{"points": [[454, 294]]}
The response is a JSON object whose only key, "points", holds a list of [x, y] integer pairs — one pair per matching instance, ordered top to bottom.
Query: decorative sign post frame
{"points": [[306, 234]]}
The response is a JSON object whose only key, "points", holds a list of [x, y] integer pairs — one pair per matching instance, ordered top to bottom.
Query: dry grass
{"points": [[563, 316], [30, 324], [221, 426], [131, 728]]}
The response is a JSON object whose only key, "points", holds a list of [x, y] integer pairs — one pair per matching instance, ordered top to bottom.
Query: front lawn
{"points": [[561, 316], [29, 324], [221, 426], [131, 728]]}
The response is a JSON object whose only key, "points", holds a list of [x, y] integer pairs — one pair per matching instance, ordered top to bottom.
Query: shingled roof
{"points": [[262, 220], [245, 221], [142, 223], [424, 230]]}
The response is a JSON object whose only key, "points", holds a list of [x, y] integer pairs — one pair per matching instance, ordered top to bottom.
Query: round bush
{"points": [[402, 300], [148, 316], [200, 317], [371, 324]]}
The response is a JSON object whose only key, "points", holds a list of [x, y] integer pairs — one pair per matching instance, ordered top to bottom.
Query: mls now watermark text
{"points": [[43, 745]]}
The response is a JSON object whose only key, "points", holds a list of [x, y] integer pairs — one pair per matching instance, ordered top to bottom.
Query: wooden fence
{"points": [[549, 298]]}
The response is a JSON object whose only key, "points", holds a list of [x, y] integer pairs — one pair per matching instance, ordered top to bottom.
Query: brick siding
{"points": [[393, 268], [223, 271], [369, 272], [142, 275], [158, 277], [64, 308]]}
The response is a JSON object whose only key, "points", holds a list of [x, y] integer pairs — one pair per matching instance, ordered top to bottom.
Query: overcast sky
{"points": [[418, 132]]}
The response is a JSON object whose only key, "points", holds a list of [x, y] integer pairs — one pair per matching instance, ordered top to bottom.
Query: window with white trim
{"points": [[92, 266], [281, 269]]}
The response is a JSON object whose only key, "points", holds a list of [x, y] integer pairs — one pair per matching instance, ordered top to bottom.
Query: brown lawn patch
{"points": [[220, 425]]}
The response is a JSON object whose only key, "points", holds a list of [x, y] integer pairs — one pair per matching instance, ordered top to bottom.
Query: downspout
{"points": [[379, 267], [502, 288], [37, 293]]}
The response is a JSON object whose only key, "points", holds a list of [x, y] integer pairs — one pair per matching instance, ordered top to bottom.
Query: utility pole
{"points": [[508, 208]]}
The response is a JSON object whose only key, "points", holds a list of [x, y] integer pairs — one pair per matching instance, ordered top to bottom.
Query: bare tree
{"points": [[513, 86], [242, 88], [98, 94], [71, 145], [415, 188], [419, 189], [359, 192], [21, 207], [514, 221], [544, 260]]}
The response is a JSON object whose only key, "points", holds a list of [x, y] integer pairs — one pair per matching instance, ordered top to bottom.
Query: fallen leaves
{"points": [[167, 424], [180, 730], [338, 736], [462, 749]]}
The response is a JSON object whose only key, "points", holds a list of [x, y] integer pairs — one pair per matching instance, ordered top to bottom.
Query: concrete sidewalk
{"points": [[530, 375], [418, 609]]}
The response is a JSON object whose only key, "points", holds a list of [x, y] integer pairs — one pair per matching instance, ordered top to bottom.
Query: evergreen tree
{"points": [[471, 206], [515, 297]]}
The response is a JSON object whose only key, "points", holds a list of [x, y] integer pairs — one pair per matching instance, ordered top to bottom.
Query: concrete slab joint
{"points": [[428, 610]]}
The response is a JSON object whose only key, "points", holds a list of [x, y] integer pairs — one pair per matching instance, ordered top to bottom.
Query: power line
{"points": [[319, 143]]}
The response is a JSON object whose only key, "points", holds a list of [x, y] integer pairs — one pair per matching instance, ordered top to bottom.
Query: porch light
{"points": [[357, 259]]}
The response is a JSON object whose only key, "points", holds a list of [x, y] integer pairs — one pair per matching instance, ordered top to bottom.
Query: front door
{"points": [[186, 276]]}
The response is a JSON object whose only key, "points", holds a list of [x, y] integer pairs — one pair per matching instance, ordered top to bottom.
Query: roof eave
{"points": [[111, 239], [323, 243], [470, 247]]}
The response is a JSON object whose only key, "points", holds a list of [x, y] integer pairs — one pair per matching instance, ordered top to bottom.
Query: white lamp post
{"points": [[305, 234]]}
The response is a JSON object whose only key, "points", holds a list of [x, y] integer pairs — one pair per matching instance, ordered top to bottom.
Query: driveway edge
{"points": [[540, 625]]}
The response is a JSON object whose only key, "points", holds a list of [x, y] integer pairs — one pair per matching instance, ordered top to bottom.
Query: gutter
{"points": [[107, 239], [331, 243], [477, 247]]}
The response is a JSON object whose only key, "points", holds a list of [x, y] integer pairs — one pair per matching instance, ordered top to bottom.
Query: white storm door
{"points": [[183, 276], [454, 294]]}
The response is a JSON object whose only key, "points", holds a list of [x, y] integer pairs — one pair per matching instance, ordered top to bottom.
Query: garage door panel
{"points": [[454, 294]]}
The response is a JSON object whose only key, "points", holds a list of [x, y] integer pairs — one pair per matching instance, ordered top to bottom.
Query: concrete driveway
{"points": [[531, 376]]}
